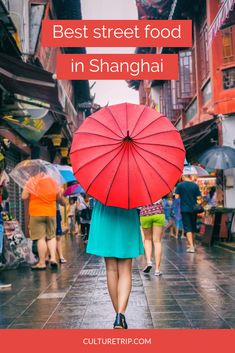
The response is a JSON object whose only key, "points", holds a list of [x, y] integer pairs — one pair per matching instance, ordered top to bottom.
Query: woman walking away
{"points": [[83, 206], [71, 215], [152, 220], [59, 232], [115, 235]]}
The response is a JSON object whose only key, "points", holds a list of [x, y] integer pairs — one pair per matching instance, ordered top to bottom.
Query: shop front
{"points": [[217, 223]]}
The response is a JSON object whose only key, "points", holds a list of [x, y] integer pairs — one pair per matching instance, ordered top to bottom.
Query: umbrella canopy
{"points": [[127, 155], [218, 157], [195, 170], [67, 172], [37, 176], [74, 189]]}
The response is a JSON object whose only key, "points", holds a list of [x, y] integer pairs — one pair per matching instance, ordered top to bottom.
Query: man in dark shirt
{"points": [[189, 194]]}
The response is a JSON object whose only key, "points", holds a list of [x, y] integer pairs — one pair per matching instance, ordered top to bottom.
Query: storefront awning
{"points": [[223, 13], [18, 77], [199, 137]]}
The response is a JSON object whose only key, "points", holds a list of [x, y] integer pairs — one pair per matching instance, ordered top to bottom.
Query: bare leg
{"points": [[176, 233], [189, 236], [157, 237], [148, 244], [59, 247], [52, 248], [42, 251], [112, 280], [124, 283]]}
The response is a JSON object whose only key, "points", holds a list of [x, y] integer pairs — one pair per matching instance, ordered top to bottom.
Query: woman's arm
{"points": [[25, 194]]}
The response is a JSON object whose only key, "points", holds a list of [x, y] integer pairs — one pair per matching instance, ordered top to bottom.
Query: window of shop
{"points": [[227, 40], [204, 52], [229, 78], [187, 81], [206, 92], [166, 100], [177, 101], [191, 111]]}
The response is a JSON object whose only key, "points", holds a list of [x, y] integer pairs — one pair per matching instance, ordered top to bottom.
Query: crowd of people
{"points": [[134, 232]]}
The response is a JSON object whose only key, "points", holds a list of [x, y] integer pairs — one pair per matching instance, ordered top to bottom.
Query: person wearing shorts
{"points": [[189, 194], [42, 217], [152, 220]]}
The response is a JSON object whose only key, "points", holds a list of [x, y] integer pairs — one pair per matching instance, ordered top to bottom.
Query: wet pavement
{"points": [[195, 291]]}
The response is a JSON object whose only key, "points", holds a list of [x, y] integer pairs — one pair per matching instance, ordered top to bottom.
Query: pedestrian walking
{"points": [[190, 195], [83, 206], [42, 212], [72, 215], [169, 216], [177, 217], [152, 220], [59, 232], [115, 235]]}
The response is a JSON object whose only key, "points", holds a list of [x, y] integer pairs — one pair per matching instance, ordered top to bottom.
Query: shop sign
{"points": [[30, 129]]}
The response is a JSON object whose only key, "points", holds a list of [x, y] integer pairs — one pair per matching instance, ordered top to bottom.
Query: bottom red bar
{"points": [[120, 341]]}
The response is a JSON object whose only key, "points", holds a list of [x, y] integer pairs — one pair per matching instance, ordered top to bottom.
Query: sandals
{"points": [[63, 261], [54, 265], [38, 268]]}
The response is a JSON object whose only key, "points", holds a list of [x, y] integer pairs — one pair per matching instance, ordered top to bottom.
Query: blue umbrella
{"points": [[218, 157], [66, 172]]}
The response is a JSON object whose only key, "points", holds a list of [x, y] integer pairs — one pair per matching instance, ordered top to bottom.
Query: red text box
{"points": [[114, 33], [117, 67], [98, 341]]}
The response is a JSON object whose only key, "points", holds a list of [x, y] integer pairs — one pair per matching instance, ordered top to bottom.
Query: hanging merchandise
{"points": [[17, 249]]}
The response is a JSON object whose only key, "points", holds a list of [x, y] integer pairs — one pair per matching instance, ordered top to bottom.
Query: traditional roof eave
{"points": [[223, 13]]}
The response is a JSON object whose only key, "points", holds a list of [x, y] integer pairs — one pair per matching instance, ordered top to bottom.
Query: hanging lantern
{"points": [[56, 140], [64, 151]]}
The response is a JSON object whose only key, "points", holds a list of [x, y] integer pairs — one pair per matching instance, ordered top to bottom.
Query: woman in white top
{"points": [[71, 215]]}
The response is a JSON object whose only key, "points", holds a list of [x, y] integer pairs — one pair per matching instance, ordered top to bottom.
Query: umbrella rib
{"points": [[98, 121], [115, 121], [151, 122], [136, 123], [156, 133], [95, 134], [160, 144], [96, 146], [157, 155], [92, 160], [103, 168], [153, 169], [145, 184], [107, 197]]}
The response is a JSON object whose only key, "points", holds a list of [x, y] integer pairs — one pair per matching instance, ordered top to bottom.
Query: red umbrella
{"points": [[127, 155]]}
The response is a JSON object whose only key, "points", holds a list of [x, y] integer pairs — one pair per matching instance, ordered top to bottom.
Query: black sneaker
{"points": [[148, 267], [120, 322]]}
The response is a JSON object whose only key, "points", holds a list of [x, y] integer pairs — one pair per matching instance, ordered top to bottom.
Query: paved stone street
{"points": [[196, 291]]}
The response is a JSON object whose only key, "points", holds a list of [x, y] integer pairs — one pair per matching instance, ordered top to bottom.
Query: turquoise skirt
{"points": [[114, 232]]}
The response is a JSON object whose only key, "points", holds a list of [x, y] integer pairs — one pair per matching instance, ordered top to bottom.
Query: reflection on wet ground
{"points": [[196, 291]]}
